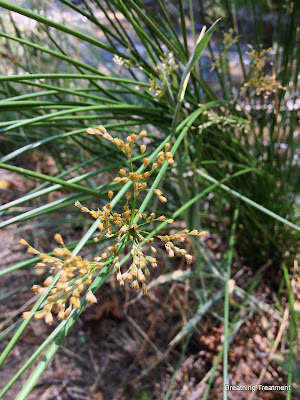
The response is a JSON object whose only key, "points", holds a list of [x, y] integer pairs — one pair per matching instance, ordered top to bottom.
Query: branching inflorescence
{"points": [[127, 228]]}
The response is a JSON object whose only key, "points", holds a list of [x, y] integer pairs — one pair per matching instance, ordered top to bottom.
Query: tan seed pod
{"points": [[101, 129], [107, 136], [143, 148], [162, 199], [78, 204], [58, 238], [31, 250], [188, 258], [48, 281], [135, 285], [144, 288], [90, 297], [75, 301], [48, 307], [68, 312], [27, 314], [39, 315], [49, 318]]}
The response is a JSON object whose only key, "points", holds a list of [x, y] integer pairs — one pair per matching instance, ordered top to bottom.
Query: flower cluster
{"points": [[230, 38], [122, 62], [166, 67], [262, 83], [130, 225], [125, 228], [75, 277]]}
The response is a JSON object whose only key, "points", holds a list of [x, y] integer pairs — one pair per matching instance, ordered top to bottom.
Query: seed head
{"points": [[101, 129], [90, 131], [107, 136], [162, 199], [58, 238], [188, 258], [48, 281], [135, 285], [144, 288], [90, 297], [27, 314]]}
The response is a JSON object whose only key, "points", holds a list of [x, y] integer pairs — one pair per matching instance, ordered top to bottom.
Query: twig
{"points": [[273, 350]]}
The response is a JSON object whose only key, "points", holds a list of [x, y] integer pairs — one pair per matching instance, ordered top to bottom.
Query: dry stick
{"points": [[18, 311], [144, 335], [146, 340], [274, 348], [154, 364]]}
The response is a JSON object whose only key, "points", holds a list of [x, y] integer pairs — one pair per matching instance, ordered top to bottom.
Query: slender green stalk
{"points": [[30, 14], [62, 183], [249, 201], [227, 303], [26, 322], [293, 327], [32, 358]]}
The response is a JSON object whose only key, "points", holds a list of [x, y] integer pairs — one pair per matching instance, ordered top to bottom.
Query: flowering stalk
{"points": [[126, 228]]}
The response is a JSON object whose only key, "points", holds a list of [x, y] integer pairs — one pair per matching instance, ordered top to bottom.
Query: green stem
{"points": [[227, 303]]}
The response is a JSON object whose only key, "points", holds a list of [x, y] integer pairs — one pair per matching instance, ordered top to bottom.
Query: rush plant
{"points": [[220, 154]]}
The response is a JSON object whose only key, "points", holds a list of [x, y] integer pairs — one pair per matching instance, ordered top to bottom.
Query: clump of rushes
{"points": [[127, 228]]}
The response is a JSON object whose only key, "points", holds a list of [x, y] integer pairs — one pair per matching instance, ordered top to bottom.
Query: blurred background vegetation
{"points": [[66, 66]]}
